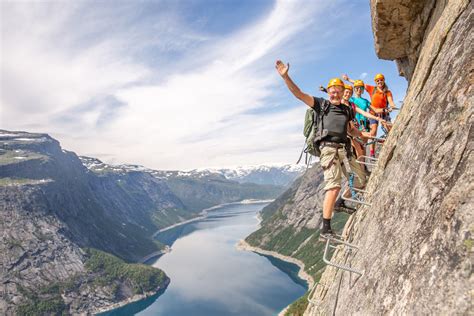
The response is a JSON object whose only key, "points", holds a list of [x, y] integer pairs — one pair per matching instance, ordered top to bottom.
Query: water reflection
{"points": [[209, 276]]}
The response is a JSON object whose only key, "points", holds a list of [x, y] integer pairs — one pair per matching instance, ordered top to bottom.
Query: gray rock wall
{"points": [[416, 240], [34, 250]]}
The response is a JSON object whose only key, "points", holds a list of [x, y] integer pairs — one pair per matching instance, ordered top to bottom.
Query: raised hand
{"points": [[282, 68], [345, 77]]}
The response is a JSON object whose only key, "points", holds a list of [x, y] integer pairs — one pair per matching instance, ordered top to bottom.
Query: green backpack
{"points": [[313, 131]]}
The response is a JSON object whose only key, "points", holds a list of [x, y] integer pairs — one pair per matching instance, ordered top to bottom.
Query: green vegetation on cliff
{"points": [[295, 240], [300, 243], [110, 269], [105, 272], [47, 301]]}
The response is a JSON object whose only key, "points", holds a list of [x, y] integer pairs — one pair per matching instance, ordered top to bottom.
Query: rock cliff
{"points": [[415, 241]]}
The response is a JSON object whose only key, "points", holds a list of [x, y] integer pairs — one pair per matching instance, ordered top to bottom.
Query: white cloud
{"points": [[363, 75], [196, 115]]}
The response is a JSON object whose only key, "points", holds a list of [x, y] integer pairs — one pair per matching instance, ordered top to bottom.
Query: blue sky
{"points": [[178, 84]]}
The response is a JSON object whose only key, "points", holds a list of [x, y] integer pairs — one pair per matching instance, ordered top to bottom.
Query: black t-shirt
{"points": [[336, 119]]}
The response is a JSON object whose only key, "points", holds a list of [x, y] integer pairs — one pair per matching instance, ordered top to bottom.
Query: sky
{"points": [[178, 84]]}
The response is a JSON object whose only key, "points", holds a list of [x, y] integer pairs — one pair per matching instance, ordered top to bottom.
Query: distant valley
{"points": [[69, 221]]}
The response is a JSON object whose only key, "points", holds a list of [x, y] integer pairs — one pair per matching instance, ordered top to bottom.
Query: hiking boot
{"points": [[341, 206], [326, 233]]}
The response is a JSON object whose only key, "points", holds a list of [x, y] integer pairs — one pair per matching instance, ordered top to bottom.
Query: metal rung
{"points": [[369, 158], [371, 161], [367, 163], [360, 190], [356, 201], [338, 239], [339, 266], [312, 291]]}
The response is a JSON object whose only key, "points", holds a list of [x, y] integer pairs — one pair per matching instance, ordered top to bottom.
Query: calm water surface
{"points": [[210, 277]]}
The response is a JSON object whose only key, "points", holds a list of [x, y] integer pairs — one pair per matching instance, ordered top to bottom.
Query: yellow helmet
{"points": [[379, 76], [335, 82], [358, 83], [348, 87]]}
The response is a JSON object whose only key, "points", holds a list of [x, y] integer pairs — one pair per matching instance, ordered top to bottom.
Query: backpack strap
{"points": [[301, 155]]}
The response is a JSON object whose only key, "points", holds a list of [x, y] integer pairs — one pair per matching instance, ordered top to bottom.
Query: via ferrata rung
{"points": [[368, 161], [356, 197], [337, 265], [313, 289]]}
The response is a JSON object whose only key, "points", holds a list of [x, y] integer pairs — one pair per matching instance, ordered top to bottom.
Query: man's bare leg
{"points": [[329, 201], [328, 208]]}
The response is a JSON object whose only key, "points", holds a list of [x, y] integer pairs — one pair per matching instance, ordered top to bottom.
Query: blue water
{"points": [[210, 277]]}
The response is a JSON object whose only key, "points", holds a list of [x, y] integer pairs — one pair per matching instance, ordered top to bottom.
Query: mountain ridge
{"points": [[274, 174], [57, 216]]}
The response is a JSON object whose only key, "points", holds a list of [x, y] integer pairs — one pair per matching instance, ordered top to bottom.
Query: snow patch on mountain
{"points": [[282, 174]]}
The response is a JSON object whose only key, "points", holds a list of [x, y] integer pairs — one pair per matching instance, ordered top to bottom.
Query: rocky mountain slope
{"points": [[196, 190], [53, 209], [415, 240]]}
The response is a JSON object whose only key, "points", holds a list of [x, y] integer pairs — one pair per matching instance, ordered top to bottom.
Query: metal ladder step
{"points": [[368, 161], [357, 197], [345, 244], [313, 289]]}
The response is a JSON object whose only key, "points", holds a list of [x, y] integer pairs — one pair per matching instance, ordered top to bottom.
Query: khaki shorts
{"points": [[333, 173]]}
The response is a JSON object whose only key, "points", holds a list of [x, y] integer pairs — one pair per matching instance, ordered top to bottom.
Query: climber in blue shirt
{"points": [[362, 104]]}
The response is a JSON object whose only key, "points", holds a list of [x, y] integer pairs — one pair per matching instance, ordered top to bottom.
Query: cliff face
{"points": [[51, 208], [111, 214], [415, 241]]}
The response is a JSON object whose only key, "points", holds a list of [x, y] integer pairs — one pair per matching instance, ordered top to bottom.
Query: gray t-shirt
{"points": [[336, 119]]}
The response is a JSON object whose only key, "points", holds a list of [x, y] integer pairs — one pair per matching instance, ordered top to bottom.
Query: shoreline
{"points": [[204, 213], [152, 255], [302, 274], [132, 299]]}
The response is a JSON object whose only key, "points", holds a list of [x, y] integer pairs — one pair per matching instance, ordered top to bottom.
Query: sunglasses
{"points": [[379, 80]]}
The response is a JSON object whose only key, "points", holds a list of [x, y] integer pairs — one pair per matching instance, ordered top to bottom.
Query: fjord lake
{"points": [[210, 276]]}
